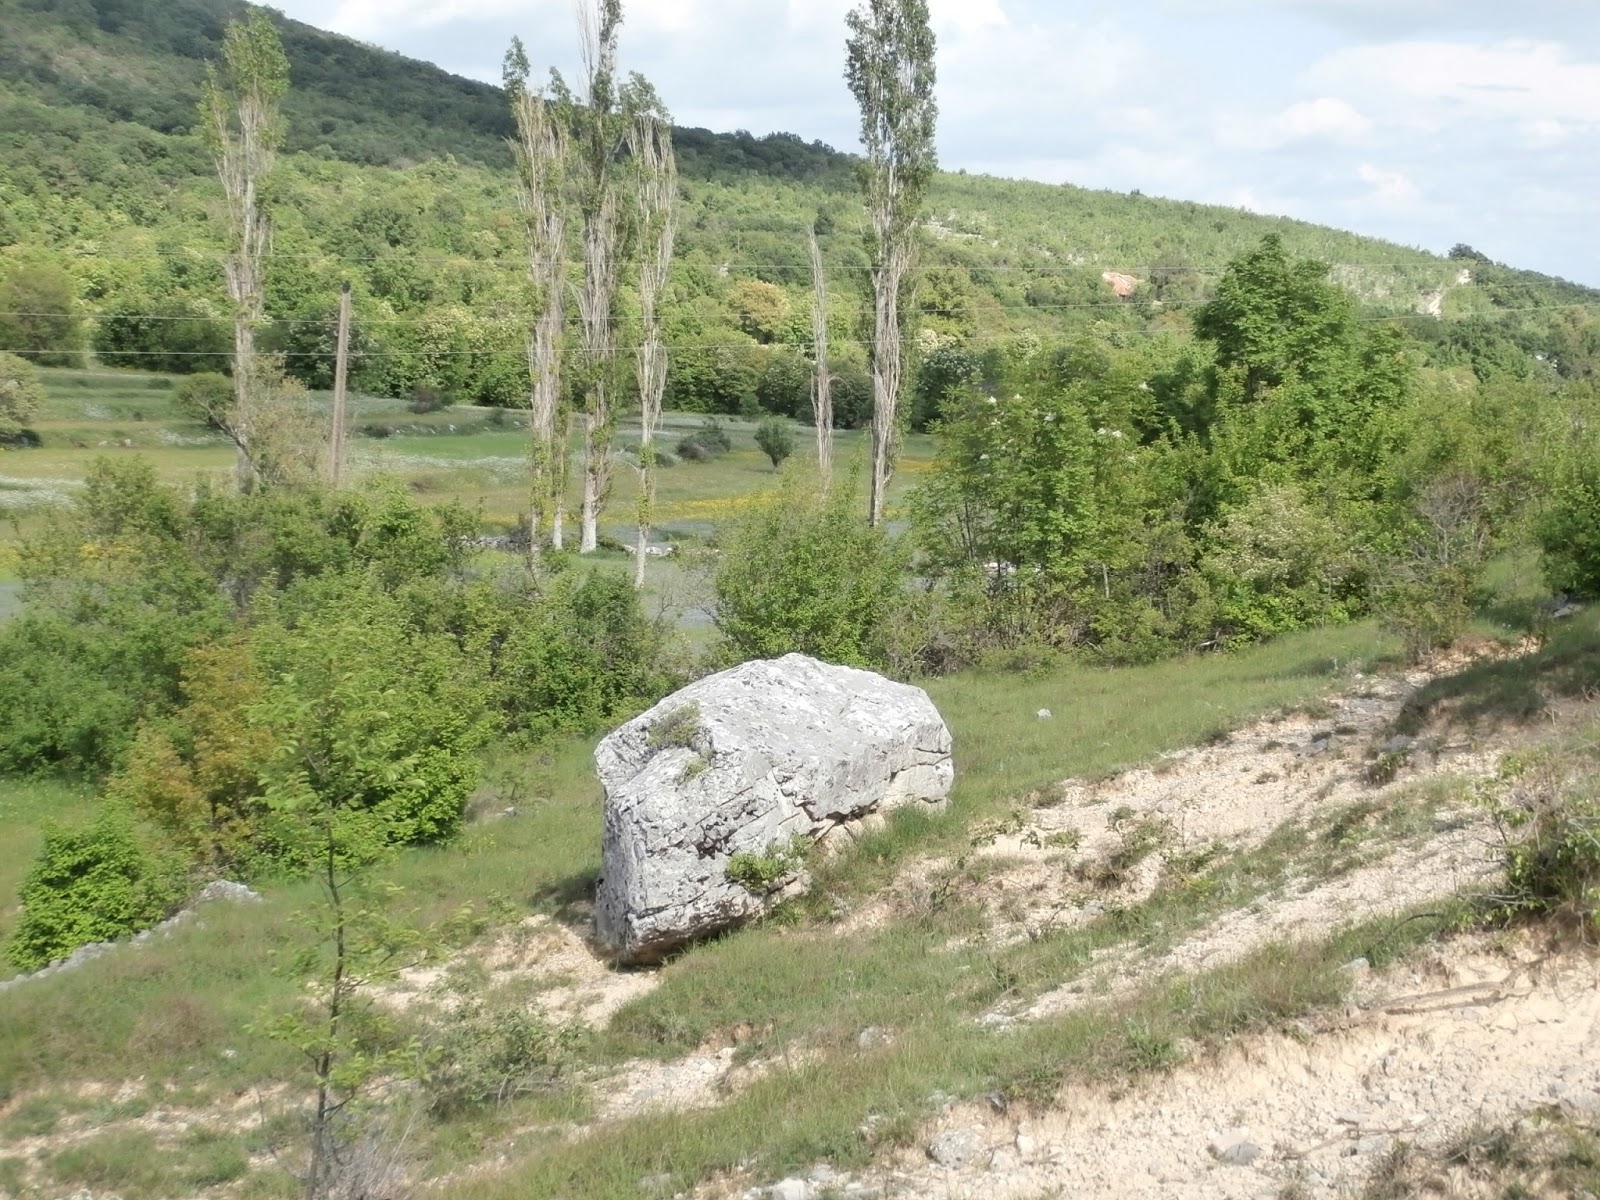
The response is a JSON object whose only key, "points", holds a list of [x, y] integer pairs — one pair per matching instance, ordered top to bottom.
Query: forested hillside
{"points": [[397, 178]]}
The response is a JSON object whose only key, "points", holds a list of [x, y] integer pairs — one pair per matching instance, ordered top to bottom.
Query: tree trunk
{"points": [[822, 379]]}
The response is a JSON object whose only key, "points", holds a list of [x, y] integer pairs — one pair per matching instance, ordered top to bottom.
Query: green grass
{"points": [[471, 454]]}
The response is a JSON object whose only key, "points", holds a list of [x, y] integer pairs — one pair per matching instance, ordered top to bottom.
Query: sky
{"points": [[1426, 122]]}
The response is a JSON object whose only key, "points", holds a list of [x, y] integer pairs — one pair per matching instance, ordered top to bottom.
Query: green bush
{"points": [[21, 395], [775, 439], [1569, 534], [1277, 564], [805, 573], [575, 656], [1549, 815], [91, 885], [483, 1058]]}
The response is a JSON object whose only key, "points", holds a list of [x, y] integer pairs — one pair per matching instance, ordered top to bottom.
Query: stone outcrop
{"points": [[714, 796]]}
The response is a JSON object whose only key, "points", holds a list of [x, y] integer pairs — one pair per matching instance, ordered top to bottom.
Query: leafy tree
{"points": [[891, 72], [39, 318], [1276, 320], [173, 335], [21, 395], [775, 439], [797, 574]]}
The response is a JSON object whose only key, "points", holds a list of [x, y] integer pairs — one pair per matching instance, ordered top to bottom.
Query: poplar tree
{"points": [[890, 70], [243, 127], [600, 130], [540, 148], [655, 196], [821, 380]]}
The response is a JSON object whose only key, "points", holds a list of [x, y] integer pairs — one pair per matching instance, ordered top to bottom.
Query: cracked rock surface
{"points": [[762, 760]]}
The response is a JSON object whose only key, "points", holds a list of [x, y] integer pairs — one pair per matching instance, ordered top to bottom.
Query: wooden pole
{"points": [[341, 366]]}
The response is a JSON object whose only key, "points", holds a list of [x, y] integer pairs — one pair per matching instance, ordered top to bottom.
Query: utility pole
{"points": [[341, 367]]}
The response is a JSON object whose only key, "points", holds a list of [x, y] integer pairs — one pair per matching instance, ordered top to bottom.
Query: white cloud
{"points": [[1450, 81], [1325, 118], [1389, 189]]}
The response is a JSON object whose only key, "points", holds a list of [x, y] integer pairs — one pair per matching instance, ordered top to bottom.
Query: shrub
{"points": [[21, 395], [426, 399], [775, 439], [708, 441], [1569, 533], [1277, 565], [804, 573], [575, 656], [331, 698], [676, 730], [1550, 823], [765, 873], [91, 885], [483, 1059]]}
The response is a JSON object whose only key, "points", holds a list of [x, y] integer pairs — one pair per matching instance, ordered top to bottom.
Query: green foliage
{"points": [[39, 317], [1275, 319], [177, 336], [21, 395], [206, 398], [775, 439], [708, 441], [1568, 527], [1279, 564], [801, 573], [576, 655], [1549, 816], [765, 873], [95, 884], [485, 1057]]}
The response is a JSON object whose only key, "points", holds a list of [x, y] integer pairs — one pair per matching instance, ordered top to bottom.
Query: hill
{"points": [[397, 179]]}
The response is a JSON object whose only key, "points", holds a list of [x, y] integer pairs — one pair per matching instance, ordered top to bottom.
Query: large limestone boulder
{"points": [[714, 795]]}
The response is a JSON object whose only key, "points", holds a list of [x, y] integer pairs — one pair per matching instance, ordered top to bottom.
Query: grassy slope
{"points": [[167, 1013]]}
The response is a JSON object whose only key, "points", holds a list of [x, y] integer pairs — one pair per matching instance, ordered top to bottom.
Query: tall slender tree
{"points": [[890, 69], [243, 126], [600, 130], [540, 148], [655, 202], [822, 379]]}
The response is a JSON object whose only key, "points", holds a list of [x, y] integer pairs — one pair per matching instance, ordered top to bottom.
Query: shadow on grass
{"points": [[1513, 689], [569, 900]]}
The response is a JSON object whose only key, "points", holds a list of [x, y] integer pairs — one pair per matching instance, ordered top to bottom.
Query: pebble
{"points": [[1044, 714], [872, 1037], [790, 1189]]}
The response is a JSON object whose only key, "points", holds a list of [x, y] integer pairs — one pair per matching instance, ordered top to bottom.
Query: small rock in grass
{"points": [[1044, 714], [1356, 966], [873, 1037], [954, 1149], [790, 1189]]}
